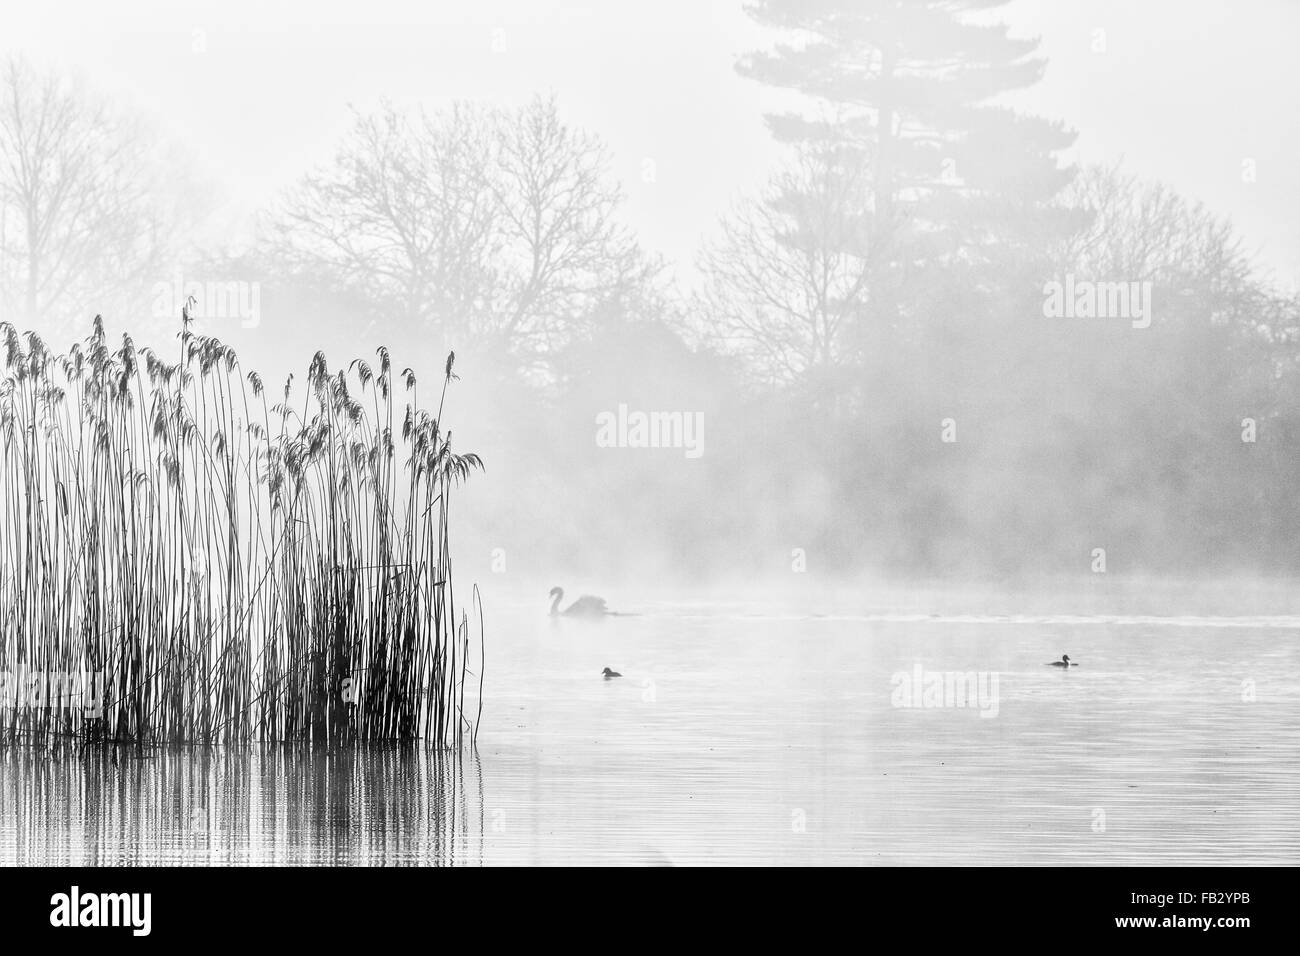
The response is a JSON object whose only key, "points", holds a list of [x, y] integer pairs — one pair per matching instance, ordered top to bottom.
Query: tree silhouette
{"points": [[901, 105], [84, 224], [489, 229]]}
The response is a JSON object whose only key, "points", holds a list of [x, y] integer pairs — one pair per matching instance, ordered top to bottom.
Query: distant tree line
{"points": [[867, 338]]}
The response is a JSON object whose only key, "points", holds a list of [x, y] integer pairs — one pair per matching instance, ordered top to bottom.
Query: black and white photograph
{"points": [[554, 434]]}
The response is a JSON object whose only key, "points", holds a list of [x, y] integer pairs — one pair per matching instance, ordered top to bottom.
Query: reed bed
{"points": [[232, 566]]}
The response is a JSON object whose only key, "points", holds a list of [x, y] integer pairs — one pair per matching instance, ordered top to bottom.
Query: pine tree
{"points": [[911, 88]]}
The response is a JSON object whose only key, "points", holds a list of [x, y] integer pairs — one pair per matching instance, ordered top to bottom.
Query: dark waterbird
{"points": [[1063, 662], [609, 673]]}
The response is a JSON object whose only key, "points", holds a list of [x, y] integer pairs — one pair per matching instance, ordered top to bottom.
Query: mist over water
{"points": [[860, 387], [745, 734]]}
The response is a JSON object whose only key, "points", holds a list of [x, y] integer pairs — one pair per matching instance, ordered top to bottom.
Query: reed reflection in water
{"points": [[260, 806]]}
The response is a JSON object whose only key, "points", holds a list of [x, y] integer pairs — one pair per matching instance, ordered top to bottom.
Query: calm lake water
{"points": [[740, 737]]}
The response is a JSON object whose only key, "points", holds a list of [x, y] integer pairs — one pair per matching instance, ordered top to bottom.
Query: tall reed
{"points": [[234, 567]]}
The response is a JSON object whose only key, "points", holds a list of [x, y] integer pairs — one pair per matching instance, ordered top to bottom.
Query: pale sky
{"points": [[1185, 90]]}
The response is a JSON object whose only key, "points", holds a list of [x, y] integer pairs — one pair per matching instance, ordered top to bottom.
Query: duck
{"points": [[586, 606], [1063, 662], [609, 673]]}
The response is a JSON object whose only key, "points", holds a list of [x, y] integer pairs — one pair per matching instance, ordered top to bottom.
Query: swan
{"points": [[585, 606]]}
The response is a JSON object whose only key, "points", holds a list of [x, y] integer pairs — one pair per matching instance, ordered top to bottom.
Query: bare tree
{"points": [[82, 227], [490, 228], [1139, 231], [788, 281]]}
